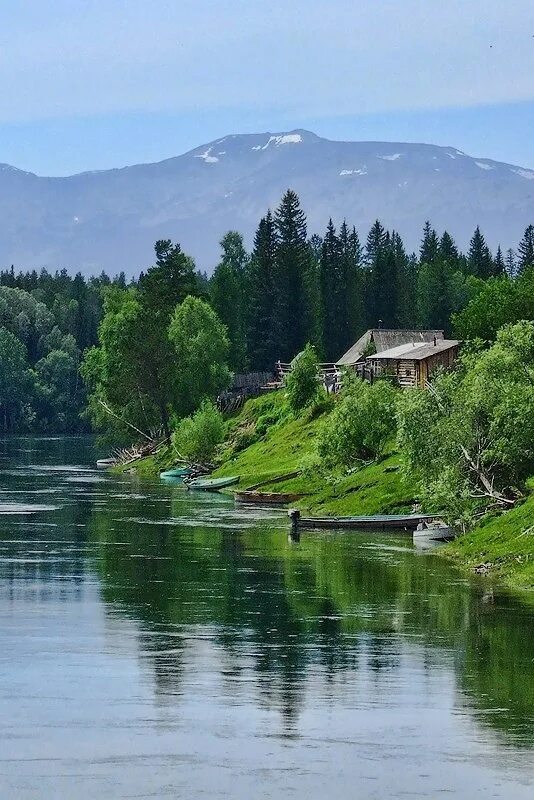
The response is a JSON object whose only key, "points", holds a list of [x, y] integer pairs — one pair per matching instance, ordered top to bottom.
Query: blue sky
{"points": [[93, 84]]}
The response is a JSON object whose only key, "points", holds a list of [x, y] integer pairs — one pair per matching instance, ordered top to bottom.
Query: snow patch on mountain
{"points": [[286, 138], [206, 157], [392, 157], [481, 165], [524, 173]]}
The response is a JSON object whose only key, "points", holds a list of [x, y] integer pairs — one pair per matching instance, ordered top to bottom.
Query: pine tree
{"points": [[376, 240], [429, 245], [448, 250], [525, 250], [479, 260], [292, 264], [510, 264], [499, 267], [352, 279], [330, 281], [228, 291], [263, 335]]}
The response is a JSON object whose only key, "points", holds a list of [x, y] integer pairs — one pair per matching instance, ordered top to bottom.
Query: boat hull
{"points": [[267, 498]]}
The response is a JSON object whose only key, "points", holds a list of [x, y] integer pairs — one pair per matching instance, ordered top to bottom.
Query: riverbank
{"points": [[264, 441]]}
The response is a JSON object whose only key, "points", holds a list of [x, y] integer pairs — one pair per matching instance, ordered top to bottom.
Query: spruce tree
{"points": [[429, 245], [448, 250], [525, 250], [479, 260], [510, 263], [292, 264], [499, 267], [352, 280], [331, 291], [228, 292], [263, 335]]}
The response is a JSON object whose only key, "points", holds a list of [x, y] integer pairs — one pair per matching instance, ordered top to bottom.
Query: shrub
{"points": [[301, 384], [360, 425], [197, 437]]}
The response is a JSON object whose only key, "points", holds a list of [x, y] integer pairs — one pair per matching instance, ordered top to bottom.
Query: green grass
{"points": [[289, 444], [505, 543]]}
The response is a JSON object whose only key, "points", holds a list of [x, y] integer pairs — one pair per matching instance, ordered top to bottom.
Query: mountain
{"points": [[111, 219]]}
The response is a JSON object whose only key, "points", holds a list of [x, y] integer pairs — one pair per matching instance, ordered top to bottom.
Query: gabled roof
{"points": [[385, 339], [415, 351]]}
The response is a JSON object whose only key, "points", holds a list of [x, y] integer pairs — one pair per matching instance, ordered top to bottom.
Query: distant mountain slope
{"points": [[110, 219]]}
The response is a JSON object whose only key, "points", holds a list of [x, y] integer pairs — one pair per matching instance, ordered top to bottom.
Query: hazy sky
{"points": [[89, 84]]}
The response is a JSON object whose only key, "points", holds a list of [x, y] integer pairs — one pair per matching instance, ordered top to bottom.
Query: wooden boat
{"points": [[105, 463], [176, 472], [210, 484], [267, 498], [375, 522], [434, 530]]}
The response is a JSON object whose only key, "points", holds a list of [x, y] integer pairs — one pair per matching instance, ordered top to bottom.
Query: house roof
{"points": [[385, 339], [415, 351]]}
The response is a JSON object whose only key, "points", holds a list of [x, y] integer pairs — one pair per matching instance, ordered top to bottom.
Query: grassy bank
{"points": [[265, 441], [501, 547]]}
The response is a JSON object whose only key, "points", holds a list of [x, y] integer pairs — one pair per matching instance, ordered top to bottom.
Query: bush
{"points": [[301, 384], [360, 425], [197, 437]]}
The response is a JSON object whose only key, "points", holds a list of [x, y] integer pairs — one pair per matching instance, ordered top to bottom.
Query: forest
{"points": [[152, 348]]}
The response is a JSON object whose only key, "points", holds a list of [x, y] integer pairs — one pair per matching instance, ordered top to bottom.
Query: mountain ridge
{"points": [[109, 219]]}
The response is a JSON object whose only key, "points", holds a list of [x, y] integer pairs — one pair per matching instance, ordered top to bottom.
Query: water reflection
{"points": [[349, 641]]}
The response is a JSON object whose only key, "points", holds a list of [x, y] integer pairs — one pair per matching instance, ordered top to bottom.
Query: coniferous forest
{"points": [[294, 287]]}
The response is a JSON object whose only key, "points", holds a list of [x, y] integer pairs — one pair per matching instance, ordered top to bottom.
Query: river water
{"points": [[158, 643]]}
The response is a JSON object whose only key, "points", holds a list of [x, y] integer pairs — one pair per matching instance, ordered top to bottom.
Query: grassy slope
{"points": [[288, 444], [505, 543]]}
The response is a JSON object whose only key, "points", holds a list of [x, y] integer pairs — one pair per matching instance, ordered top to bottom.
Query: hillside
{"points": [[110, 219]]}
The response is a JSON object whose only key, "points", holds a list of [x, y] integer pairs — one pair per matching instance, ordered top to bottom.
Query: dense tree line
{"points": [[292, 289], [46, 322]]}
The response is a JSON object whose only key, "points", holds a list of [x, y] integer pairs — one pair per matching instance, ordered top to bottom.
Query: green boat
{"points": [[177, 472], [211, 484]]}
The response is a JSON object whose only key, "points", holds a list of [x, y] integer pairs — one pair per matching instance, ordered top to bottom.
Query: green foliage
{"points": [[228, 292], [497, 302], [201, 348], [16, 382], [302, 385], [360, 426], [198, 436], [469, 442]]}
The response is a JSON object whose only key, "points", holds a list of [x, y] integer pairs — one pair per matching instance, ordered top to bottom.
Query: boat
{"points": [[105, 463], [176, 472], [210, 484], [267, 498], [375, 522], [434, 530]]}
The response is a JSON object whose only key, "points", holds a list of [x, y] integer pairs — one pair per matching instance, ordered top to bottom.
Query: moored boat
{"points": [[176, 473], [211, 484], [267, 498], [435, 530]]}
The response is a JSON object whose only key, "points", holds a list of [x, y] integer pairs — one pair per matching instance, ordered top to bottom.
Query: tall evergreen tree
{"points": [[429, 245], [448, 250], [525, 250], [479, 260], [510, 263], [292, 265], [499, 267], [352, 279], [229, 291], [332, 293], [263, 334]]}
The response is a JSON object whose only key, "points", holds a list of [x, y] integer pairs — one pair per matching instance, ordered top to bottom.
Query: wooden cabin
{"points": [[377, 340], [413, 363]]}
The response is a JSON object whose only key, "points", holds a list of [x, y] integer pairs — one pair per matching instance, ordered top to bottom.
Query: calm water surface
{"points": [[159, 644]]}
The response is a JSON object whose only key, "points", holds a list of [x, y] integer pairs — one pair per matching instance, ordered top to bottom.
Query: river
{"points": [[159, 643]]}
